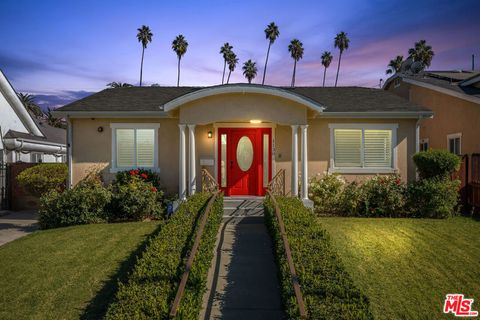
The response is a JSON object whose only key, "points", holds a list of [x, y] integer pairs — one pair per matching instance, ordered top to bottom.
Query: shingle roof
{"points": [[446, 84], [339, 99], [52, 134]]}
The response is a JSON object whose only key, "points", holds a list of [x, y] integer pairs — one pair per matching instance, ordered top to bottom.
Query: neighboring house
{"points": [[454, 97], [243, 134], [23, 138]]}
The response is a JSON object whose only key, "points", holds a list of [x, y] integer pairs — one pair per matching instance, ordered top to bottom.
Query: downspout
{"points": [[417, 141], [69, 152]]}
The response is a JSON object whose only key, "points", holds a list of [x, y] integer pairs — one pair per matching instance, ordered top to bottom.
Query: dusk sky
{"points": [[63, 50]]}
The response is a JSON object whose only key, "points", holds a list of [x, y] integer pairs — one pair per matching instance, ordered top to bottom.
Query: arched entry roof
{"points": [[242, 89]]}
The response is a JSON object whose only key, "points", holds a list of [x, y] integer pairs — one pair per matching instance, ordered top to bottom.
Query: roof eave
{"points": [[109, 114], [376, 114]]}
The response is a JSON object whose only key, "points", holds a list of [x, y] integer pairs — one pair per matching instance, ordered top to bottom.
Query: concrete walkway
{"points": [[14, 225], [242, 281]]}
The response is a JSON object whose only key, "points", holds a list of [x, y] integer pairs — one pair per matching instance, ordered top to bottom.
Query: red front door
{"points": [[244, 160]]}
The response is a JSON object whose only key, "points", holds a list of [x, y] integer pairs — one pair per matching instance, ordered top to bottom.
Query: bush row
{"points": [[384, 196], [127, 199], [151, 288], [328, 291]]}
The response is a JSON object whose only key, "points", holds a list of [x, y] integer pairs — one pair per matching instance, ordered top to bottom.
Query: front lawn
{"points": [[407, 266], [67, 273]]}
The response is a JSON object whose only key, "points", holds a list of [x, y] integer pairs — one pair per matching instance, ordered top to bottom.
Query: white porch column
{"points": [[304, 163], [182, 166], [192, 173], [294, 188]]}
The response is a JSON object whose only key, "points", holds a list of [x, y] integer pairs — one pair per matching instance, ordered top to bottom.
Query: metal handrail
{"points": [[209, 184], [277, 184], [288, 254], [191, 257]]}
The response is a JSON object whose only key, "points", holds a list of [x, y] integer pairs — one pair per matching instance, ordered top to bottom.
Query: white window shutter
{"points": [[348, 146], [125, 147], [145, 148], [378, 148]]}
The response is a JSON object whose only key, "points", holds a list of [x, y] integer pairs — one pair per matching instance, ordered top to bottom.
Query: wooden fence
{"points": [[469, 176]]}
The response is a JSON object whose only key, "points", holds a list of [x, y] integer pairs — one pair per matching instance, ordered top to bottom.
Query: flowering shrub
{"points": [[124, 177], [325, 192], [382, 196], [135, 199], [350, 200]]}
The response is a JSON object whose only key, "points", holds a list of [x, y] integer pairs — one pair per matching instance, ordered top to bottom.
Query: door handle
{"points": [[231, 164]]}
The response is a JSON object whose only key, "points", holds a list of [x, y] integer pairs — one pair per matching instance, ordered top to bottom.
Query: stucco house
{"points": [[454, 97], [242, 134], [24, 138]]}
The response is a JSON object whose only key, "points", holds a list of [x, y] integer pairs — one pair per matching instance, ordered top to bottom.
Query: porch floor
{"points": [[242, 280]]}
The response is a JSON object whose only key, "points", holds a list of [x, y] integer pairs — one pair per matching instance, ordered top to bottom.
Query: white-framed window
{"points": [[454, 143], [424, 144], [134, 145], [363, 148], [36, 157]]}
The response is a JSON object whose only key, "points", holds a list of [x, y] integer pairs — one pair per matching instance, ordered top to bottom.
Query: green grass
{"points": [[407, 266], [67, 273]]}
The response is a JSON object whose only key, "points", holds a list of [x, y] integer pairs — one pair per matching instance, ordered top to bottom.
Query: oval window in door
{"points": [[244, 153]]}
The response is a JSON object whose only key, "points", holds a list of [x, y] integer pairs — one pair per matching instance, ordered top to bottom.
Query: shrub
{"points": [[436, 163], [44, 177], [123, 177], [325, 192], [382, 196], [433, 198], [135, 199], [350, 200], [84, 204], [151, 288], [328, 290]]}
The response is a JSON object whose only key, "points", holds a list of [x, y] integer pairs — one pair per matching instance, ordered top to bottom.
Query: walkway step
{"points": [[242, 280]]}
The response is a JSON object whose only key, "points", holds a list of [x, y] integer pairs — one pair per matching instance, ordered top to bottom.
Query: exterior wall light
{"points": [[255, 121], [100, 129], [209, 134]]}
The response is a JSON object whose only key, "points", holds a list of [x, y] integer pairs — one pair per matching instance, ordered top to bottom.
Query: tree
{"points": [[271, 33], [144, 36], [341, 42], [179, 45], [225, 50], [296, 52], [422, 53], [326, 60], [232, 61], [394, 65], [250, 70], [118, 85], [29, 102], [53, 121]]}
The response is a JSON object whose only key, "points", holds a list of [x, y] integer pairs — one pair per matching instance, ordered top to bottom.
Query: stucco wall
{"points": [[452, 115], [92, 149]]}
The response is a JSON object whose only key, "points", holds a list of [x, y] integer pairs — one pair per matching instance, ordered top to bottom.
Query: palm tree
{"points": [[271, 33], [144, 36], [341, 42], [179, 45], [225, 50], [296, 51], [422, 52], [326, 60], [232, 61], [394, 65], [250, 70], [115, 84], [29, 102], [53, 121]]}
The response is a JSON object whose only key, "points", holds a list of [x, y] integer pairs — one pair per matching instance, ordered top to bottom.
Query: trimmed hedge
{"points": [[436, 163], [43, 178], [151, 288], [328, 291]]}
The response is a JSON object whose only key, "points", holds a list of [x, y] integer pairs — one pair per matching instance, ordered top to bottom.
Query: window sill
{"points": [[116, 170], [363, 170]]}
